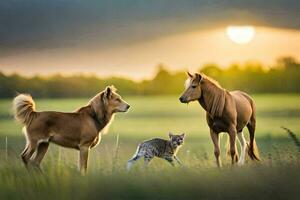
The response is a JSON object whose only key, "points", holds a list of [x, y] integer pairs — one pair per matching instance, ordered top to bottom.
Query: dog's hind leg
{"points": [[30, 147], [25, 151], [28, 152], [40, 153], [23, 154]]}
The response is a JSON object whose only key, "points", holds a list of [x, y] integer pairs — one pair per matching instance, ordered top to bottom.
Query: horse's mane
{"points": [[214, 96]]}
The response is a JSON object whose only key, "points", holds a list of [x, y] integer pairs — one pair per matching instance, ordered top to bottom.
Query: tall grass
{"points": [[293, 136], [275, 177]]}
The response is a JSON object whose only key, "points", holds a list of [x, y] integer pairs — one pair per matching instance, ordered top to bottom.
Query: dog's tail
{"points": [[24, 108]]}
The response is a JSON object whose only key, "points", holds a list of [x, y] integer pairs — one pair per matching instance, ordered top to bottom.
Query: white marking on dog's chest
{"points": [[106, 127]]}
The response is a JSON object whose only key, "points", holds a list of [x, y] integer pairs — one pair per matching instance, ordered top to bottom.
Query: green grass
{"points": [[275, 177]]}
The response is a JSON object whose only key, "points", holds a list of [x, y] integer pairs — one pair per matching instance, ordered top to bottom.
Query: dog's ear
{"points": [[189, 74], [113, 88], [108, 92], [170, 135]]}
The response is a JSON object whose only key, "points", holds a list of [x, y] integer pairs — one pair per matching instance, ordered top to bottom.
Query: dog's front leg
{"points": [[83, 159]]}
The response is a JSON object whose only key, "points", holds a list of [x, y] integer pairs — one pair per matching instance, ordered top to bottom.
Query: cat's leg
{"points": [[149, 155], [147, 159], [170, 160], [178, 160]]}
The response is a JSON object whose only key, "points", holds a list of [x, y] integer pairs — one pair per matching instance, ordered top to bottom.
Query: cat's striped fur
{"points": [[166, 149]]}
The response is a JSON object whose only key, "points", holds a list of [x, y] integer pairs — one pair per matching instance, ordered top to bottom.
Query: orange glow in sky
{"points": [[182, 51]]}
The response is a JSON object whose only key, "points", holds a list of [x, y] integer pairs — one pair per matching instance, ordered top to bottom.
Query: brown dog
{"points": [[79, 130]]}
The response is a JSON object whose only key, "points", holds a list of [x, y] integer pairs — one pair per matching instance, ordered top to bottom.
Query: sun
{"points": [[240, 34]]}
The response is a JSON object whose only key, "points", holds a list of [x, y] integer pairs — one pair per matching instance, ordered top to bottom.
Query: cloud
{"points": [[34, 24]]}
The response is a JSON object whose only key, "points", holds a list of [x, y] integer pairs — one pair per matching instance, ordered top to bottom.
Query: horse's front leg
{"points": [[215, 138], [232, 140]]}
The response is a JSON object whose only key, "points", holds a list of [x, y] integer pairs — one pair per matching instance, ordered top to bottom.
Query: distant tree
{"points": [[287, 63], [211, 70], [252, 77]]}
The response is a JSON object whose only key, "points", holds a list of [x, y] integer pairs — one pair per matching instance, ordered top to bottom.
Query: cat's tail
{"points": [[134, 158]]}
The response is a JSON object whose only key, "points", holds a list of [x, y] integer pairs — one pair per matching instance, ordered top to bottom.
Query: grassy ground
{"points": [[275, 177]]}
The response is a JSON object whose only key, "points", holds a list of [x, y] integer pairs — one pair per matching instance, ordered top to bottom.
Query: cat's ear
{"points": [[170, 135], [182, 135]]}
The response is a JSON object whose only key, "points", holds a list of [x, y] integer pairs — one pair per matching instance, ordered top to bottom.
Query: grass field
{"points": [[277, 176]]}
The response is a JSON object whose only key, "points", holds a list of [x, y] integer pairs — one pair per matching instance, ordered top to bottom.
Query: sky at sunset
{"points": [[131, 37]]}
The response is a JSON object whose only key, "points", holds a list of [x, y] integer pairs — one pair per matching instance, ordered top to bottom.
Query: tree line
{"points": [[283, 77]]}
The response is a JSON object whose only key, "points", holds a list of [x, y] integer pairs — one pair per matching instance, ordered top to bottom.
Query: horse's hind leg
{"points": [[232, 142], [243, 148]]}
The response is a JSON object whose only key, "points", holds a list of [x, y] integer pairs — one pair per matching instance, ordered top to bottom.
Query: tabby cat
{"points": [[166, 149]]}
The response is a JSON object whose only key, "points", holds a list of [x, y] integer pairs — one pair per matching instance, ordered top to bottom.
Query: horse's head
{"points": [[192, 88]]}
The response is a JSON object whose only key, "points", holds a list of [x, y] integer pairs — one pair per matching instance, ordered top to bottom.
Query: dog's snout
{"points": [[128, 106]]}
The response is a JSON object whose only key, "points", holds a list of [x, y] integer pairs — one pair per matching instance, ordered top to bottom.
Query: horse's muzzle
{"points": [[182, 100]]}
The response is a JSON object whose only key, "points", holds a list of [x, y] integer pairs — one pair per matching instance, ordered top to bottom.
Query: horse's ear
{"points": [[189, 74], [198, 76], [182, 135]]}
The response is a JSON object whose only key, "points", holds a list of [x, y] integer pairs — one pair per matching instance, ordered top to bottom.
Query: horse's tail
{"points": [[24, 108], [252, 147], [253, 151]]}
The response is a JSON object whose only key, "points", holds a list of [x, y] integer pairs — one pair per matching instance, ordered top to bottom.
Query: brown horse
{"points": [[226, 111]]}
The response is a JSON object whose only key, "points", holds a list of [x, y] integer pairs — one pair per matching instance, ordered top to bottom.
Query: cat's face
{"points": [[176, 140]]}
